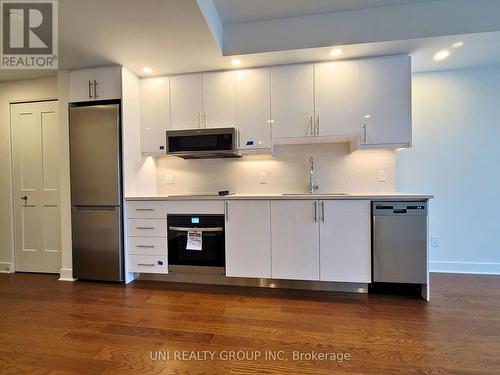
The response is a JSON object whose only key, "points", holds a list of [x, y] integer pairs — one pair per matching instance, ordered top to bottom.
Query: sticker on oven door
{"points": [[194, 239]]}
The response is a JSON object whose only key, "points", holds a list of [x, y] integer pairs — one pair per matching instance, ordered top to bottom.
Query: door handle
{"points": [[90, 89], [95, 90], [204, 119], [317, 125], [310, 127], [365, 131], [226, 211], [315, 211], [322, 211], [144, 227], [146, 246], [146, 264]]}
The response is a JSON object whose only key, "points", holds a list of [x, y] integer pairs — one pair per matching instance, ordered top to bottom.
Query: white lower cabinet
{"points": [[248, 239], [295, 239], [345, 241], [146, 246]]}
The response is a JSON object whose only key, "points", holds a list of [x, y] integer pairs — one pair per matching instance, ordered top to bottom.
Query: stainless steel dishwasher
{"points": [[400, 242]]}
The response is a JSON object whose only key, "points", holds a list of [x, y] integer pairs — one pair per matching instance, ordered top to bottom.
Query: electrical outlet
{"points": [[381, 175], [263, 177], [170, 179], [435, 241]]}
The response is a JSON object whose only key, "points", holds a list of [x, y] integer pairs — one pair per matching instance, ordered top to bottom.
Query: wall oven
{"points": [[196, 240]]}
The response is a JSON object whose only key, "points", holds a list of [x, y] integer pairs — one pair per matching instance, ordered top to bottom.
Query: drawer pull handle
{"points": [[144, 209], [144, 227], [146, 246], [146, 264]]}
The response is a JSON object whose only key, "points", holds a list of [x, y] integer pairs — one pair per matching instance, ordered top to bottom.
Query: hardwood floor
{"points": [[52, 327]]}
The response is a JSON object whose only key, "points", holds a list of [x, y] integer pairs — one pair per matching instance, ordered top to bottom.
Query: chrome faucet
{"points": [[312, 174]]}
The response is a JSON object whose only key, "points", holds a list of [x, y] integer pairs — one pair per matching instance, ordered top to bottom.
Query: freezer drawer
{"points": [[97, 243], [400, 248], [147, 264]]}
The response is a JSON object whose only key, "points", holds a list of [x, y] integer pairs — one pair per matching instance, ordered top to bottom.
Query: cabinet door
{"points": [[108, 83], [81, 85], [185, 98], [292, 98], [337, 98], [219, 99], [385, 100], [253, 102], [155, 114], [248, 239], [295, 239], [345, 241]]}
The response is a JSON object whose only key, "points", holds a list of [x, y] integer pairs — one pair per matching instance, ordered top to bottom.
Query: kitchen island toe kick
{"points": [[316, 242]]}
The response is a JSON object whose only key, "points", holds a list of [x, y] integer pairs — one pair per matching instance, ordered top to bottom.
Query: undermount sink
{"points": [[315, 194]]}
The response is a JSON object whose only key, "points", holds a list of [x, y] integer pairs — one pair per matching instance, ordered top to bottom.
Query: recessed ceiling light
{"points": [[457, 44], [336, 52], [441, 55], [235, 62], [147, 69], [368, 116]]}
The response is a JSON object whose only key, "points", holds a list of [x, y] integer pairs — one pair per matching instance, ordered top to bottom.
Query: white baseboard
{"points": [[6, 267], [480, 268], [66, 274]]}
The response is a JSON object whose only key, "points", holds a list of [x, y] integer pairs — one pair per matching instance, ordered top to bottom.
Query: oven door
{"points": [[211, 253]]}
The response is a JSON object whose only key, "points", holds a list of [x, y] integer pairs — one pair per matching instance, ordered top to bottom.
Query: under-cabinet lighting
{"points": [[457, 44], [336, 52], [236, 62]]}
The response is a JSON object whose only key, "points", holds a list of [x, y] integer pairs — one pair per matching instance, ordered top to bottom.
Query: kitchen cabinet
{"points": [[95, 84], [336, 87], [292, 99], [219, 100], [186, 101], [253, 109], [155, 114], [385, 117], [248, 238], [295, 239], [345, 240]]}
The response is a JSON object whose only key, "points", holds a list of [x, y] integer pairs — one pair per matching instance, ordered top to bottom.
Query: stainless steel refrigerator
{"points": [[96, 193]]}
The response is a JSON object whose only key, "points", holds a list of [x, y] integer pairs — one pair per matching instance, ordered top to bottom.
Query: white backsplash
{"points": [[287, 172]]}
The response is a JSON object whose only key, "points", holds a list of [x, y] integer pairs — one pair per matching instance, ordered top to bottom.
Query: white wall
{"points": [[28, 90], [456, 156], [337, 171]]}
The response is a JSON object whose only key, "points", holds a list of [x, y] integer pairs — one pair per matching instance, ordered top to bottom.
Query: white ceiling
{"points": [[235, 11], [173, 37]]}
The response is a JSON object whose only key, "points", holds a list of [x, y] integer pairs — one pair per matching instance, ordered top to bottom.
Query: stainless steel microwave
{"points": [[203, 143]]}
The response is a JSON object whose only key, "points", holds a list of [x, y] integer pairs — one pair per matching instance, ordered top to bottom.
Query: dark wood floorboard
{"points": [[52, 327]]}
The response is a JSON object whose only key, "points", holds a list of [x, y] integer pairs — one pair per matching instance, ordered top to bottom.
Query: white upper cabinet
{"points": [[95, 84], [337, 98], [292, 99], [219, 100], [186, 101], [253, 109], [155, 114], [385, 117], [248, 238], [295, 239], [345, 251]]}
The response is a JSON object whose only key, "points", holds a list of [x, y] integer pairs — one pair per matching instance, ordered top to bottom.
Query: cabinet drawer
{"points": [[196, 207], [147, 209], [147, 227], [147, 245], [147, 264]]}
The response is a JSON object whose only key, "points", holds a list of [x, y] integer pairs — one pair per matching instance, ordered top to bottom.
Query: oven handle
{"points": [[187, 229]]}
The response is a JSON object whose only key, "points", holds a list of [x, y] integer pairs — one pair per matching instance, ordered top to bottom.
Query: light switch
{"points": [[381, 175], [263, 177], [170, 179]]}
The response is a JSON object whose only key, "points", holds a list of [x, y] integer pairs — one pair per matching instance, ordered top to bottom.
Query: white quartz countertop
{"points": [[245, 196]]}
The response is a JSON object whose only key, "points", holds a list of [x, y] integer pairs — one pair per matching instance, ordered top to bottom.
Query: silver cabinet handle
{"points": [[90, 89], [95, 90], [198, 117], [204, 119], [317, 125], [310, 127], [365, 135], [144, 209], [226, 211], [315, 211], [322, 211], [144, 227], [145, 246], [146, 264]]}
